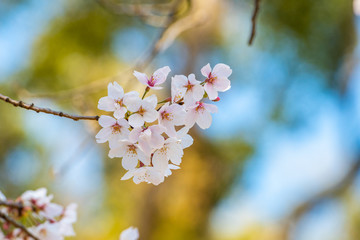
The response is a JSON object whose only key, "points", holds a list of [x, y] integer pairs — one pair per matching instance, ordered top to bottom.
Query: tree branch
{"points": [[253, 21], [45, 110], [331, 192], [11, 204], [18, 225]]}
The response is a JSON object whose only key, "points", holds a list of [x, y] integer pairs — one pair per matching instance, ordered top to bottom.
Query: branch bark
{"points": [[253, 21], [45, 110], [18, 225]]}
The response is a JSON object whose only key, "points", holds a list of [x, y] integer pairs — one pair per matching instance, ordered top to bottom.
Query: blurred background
{"points": [[281, 159]]}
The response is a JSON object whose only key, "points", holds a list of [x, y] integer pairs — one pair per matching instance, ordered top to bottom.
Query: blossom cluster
{"points": [[150, 135], [38, 215]]}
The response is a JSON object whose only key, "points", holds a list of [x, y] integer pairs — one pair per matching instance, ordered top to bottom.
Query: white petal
{"points": [[206, 70], [222, 70], [161, 74], [141, 77], [193, 80], [222, 84], [210, 90], [115, 91], [198, 92], [152, 100], [132, 102], [106, 104], [210, 107], [120, 113], [150, 115], [190, 118], [136, 120], [204, 120], [106, 121], [134, 134], [103, 135], [157, 141], [117, 152], [159, 160], [129, 162], [128, 175]]}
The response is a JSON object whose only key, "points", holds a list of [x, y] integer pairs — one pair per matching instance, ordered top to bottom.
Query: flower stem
{"points": [[147, 89]]}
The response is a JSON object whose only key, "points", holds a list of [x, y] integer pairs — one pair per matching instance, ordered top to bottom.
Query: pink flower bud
{"points": [[216, 99]]}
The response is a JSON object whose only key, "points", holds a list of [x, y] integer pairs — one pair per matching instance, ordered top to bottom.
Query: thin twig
{"points": [[253, 21], [45, 110], [331, 192], [11, 204], [18, 225]]}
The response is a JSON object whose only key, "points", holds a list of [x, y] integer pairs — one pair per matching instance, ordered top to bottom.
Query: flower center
{"points": [[211, 79], [151, 81], [189, 86], [119, 101], [199, 107], [141, 111], [166, 115], [116, 128], [132, 149]]}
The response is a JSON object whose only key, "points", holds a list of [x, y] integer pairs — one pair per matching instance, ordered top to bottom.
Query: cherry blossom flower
{"points": [[156, 79], [216, 79], [190, 88], [114, 102], [143, 110], [200, 113], [171, 116], [113, 130], [148, 137], [171, 150], [130, 153], [145, 174], [2, 196], [130, 233]]}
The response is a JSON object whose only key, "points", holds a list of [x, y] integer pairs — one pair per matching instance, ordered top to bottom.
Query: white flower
{"points": [[156, 79], [217, 79], [190, 88], [114, 102], [143, 110], [200, 113], [171, 116], [113, 130], [148, 137], [172, 150], [130, 152], [145, 174], [37, 197], [51, 210], [68, 218], [47, 231], [130, 233]]}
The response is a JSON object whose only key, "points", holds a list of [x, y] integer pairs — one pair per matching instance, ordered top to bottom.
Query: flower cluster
{"points": [[150, 135], [37, 215]]}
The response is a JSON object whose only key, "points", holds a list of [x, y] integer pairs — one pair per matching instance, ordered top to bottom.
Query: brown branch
{"points": [[253, 21], [45, 110], [331, 192], [11, 204], [18, 225]]}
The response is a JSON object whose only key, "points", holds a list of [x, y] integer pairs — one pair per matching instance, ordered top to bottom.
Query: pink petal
{"points": [[206, 70], [222, 70], [161, 74], [141, 77], [222, 84], [210, 90], [115, 91], [152, 100], [132, 102], [106, 104], [211, 107], [120, 113], [190, 118], [136, 120], [204, 120], [106, 121], [134, 134], [103, 135], [129, 162]]}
